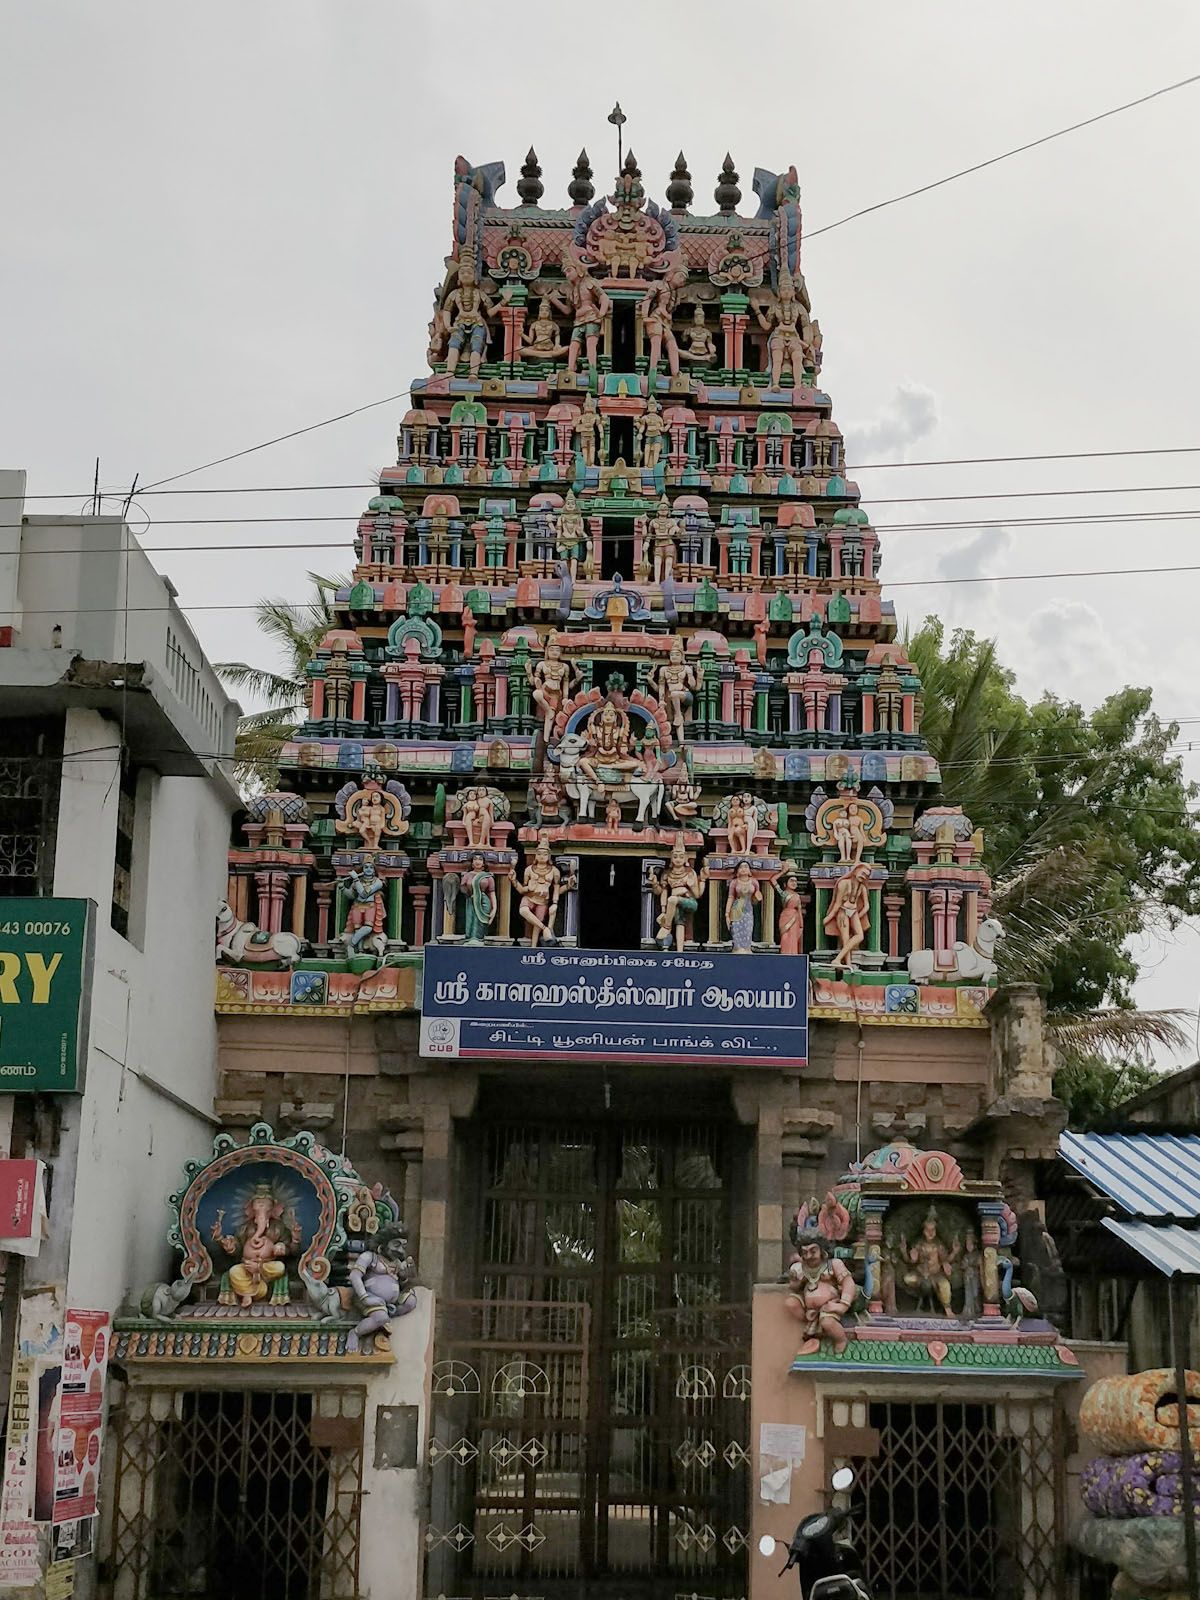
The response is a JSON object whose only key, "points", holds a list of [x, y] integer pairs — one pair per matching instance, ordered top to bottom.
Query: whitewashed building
{"points": [[115, 789]]}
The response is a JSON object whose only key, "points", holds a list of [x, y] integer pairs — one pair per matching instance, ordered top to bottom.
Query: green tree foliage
{"points": [[295, 631], [1088, 832], [1092, 1088]]}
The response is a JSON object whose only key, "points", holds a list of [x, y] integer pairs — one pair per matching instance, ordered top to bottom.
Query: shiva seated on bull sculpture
{"points": [[611, 751]]}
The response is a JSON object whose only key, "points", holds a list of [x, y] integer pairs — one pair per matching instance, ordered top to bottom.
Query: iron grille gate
{"points": [[591, 1408], [236, 1494], [965, 1502]]}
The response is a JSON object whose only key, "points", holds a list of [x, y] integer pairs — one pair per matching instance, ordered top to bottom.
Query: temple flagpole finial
{"points": [[618, 119]]}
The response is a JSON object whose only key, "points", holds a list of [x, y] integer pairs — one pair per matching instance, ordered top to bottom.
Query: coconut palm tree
{"points": [[295, 631], [1063, 878]]}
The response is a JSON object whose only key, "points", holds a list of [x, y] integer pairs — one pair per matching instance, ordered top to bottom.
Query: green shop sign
{"points": [[46, 952]]}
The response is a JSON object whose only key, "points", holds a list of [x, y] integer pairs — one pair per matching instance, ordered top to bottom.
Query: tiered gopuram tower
{"points": [[617, 595], [615, 715]]}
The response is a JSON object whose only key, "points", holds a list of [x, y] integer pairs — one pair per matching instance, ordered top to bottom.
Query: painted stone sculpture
{"points": [[373, 812], [541, 888], [679, 888], [479, 892], [744, 893], [849, 914], [366, 918], [265, 1234], [278, 1236], [380, 1281], [820, 1293]]}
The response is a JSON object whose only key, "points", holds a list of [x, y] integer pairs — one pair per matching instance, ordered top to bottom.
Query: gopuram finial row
{"points": [[679, 191]]}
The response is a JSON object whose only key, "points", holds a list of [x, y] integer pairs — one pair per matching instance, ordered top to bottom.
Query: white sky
{"points": [[225, 222]]}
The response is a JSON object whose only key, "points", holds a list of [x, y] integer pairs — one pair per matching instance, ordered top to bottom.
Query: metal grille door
{"points": [[591, 1406], [237, 1495], [964, 1502]]}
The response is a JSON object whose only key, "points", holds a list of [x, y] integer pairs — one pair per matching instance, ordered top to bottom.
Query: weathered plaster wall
{"points": [[151, 1073], [391, 1556]]}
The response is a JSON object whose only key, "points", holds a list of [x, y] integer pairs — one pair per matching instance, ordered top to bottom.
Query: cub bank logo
{"points": [[441, 1036]]}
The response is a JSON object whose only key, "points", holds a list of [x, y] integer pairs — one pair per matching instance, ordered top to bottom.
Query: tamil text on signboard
{"points": [[46, 950], [602, 1005]]}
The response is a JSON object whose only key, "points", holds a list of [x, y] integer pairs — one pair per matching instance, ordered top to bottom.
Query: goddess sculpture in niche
{"points": [[701, 346], [479, 892], [739, 909], [791, 914]]}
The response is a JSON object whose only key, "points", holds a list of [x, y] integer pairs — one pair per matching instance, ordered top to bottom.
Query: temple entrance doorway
{"points": [[610, 902], [591, 1393], [236, 1494], [963, 1501]]}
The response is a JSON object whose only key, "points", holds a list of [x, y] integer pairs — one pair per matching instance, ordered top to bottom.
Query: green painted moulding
{"points": [[968, 1360]]}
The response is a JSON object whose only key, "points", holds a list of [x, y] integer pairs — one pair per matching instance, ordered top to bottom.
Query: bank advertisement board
{"points": [[46, 952], [513, 1003]]}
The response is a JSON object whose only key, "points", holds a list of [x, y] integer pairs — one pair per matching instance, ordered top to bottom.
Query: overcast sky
{"points": [[225, 222]]}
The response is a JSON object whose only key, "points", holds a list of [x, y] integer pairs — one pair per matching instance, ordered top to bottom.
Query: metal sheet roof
{"points": [[1154, 1175], [1168, 1248]]}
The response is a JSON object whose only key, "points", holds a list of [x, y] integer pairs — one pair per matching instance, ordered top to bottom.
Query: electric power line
{"points": [[1005, 155], [813, 233], [236, 455], [870, 466], [973, 524], [898, 583]]}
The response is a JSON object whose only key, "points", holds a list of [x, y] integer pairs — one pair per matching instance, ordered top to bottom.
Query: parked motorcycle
{"points": [[828, 1568]]}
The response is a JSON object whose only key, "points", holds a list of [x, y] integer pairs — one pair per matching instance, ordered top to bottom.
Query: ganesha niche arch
{"points": [[277, 1234]]}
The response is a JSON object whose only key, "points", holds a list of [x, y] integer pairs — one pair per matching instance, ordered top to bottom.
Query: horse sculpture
{"points": [[244, 944], [972, 962]]}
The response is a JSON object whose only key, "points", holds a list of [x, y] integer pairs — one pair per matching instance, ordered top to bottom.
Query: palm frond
{"points": [[263, 684], [1114, 1033]]}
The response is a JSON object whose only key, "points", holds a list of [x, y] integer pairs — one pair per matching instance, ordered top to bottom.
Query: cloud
{"points": [[911, 415], [979, 555], [1068, 646]]}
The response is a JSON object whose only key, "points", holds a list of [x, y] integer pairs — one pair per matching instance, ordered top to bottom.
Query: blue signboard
{"points": [[482, 1003]]}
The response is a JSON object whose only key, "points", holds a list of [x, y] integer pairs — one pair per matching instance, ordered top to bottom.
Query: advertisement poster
{"points": [[46, 953], [606, 1005], [20, 1182], [80, 1415], [18, 1532], [60, 1580]]}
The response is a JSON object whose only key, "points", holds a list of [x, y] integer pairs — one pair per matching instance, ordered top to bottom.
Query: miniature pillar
{"points": [[324, 892], [420, 898], [299, 902], [893, 905], [396, 909], [504, 910], [918, 919]]}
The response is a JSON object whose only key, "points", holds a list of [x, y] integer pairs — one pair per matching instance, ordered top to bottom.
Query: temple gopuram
{"points": [[607, 917]]}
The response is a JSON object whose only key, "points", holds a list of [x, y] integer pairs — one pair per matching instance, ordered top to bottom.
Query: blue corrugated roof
{"points": [[1152, 1175], [1166, 1246]]}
